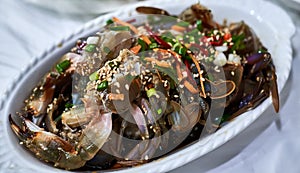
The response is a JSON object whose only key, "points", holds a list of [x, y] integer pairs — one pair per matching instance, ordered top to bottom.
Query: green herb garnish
{"points": [[109, 21], [199, 25], [238, 42], [143, 44], [153, 45], [90, 48], [61, 67], [94, 76], [102, 86], [151, 92], [68, 105], [159, 111]]}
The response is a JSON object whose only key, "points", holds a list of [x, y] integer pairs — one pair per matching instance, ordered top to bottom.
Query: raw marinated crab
{"points": [[132, 94]]}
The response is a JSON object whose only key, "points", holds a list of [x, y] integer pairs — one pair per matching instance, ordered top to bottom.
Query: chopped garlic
{"points": [[92, 40], [234, 58], [220, 59]]}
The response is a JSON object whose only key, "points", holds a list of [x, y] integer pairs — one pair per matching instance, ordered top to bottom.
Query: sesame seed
{"points": [[215, 32], [165, 83], [117, 84], [126, 86], [192, 98]]}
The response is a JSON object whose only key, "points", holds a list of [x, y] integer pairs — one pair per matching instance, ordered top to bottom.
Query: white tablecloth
{"points": [[270, 145]]}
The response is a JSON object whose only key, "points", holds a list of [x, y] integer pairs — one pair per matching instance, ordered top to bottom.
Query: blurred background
{"points": [[28, 27]]}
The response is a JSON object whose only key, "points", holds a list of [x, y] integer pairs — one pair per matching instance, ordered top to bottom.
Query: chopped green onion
{"points": [[109, 21], [183, 24], [199, 25], [120, 28], [168, 37], [192, 39], [168, 40], [238, 42], [143, 44], [153, 45], [176, 47], [90, 48], [106, 49], [182, 51], [61, 67], [94, 76], [102, 86], [151, 92], [68, 105], [159, 111]]}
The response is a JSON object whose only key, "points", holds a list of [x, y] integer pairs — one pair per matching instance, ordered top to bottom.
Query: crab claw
{"points": [[151, 10], [259, 61], [273, 85], [23, 131], [52, 148]]}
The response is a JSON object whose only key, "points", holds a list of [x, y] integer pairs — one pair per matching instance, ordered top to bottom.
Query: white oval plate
{"points": [[295, 4], [80, 7], [265, 18]]}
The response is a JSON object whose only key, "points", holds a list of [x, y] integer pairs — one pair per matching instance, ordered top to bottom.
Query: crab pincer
{"points": [[52, 148]]}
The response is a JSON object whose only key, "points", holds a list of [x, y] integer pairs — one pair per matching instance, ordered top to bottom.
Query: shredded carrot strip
{"points": [[118, 21], [178, 28], [146, 39], [136, 49], [161, 50], [176, 55], [157, 62], [199, 70], [226, 94], [113, 96]]}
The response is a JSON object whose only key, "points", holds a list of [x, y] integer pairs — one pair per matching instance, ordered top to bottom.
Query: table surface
{"points": [[271, 144]]}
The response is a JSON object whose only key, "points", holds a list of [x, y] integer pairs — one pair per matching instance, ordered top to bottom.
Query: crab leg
{"points": [[52, 148]]}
